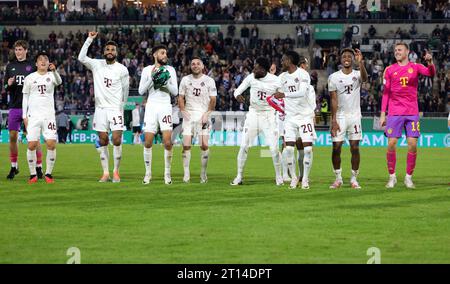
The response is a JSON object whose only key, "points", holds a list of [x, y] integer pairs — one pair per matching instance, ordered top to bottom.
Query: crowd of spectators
{"points": [[307, 10], [228, 60]]}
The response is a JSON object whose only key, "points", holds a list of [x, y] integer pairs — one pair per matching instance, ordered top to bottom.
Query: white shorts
{"points": [[158, 116], [108, 119], [257, 122], [44, 125], [194, 126], [350, 126], [303, 128]]}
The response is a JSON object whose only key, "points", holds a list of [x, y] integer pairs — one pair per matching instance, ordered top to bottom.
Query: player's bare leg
{"points": [[247, 136], [103, 140], [167, 140], [187, 140], [148, 143], [354, 149], [117, 153], [13, 154], [204, 156], [300, 157], [31, 158], [391, 158], [336, 159], [50, 160], [411, 161], [291, 163], [284, 164], [307, 164], [39, 172]]}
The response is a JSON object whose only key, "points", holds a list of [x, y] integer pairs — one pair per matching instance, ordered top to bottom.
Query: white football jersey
{"points": [[111, 81], [260, 89], [348, 90], [197, 92], [38, 94], [158, 96], [299, 98]]}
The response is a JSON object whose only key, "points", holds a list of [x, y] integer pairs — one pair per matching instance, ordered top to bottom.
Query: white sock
{"points": [[300, 156], [31, 157], [117, 157], [242, 158], [276, 158], [104, 159], [148, 160], [290, 160], [50, 161], [167, 161], [186, 161], [204, 161], [284, 162], [307, 162], [14, 165], [338, 174], [354, 174]]}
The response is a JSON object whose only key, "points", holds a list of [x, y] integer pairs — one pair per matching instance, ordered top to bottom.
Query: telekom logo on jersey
{"points": [[108, 82], [42, 89]]}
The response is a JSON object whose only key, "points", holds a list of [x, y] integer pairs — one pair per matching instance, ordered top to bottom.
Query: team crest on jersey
{"points": [[28, 68], [410, 70], [354, 78], [48, 79], [296, 80], [340, 81], [202, 84], [389, 131]]}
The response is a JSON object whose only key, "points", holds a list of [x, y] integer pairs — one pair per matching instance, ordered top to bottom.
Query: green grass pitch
{"points": [[217, 223]]}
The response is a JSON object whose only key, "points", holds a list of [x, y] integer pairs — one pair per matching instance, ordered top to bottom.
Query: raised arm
{"points": [[82, 56], [362, 67], [430, 70], [56, 75]]}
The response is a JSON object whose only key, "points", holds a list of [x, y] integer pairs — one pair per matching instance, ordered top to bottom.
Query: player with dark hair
{"points": [[160, 82], [111, 85], [345, 92], [197, 100], [300, 103], [38, 107], [260, 117]]}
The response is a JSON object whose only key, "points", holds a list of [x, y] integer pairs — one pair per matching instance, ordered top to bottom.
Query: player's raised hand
{"points": [[93, 34], [358, 56], [428, 57], [52, 67], [273, 69], [11, 80], [240, 99], [334, 128]]}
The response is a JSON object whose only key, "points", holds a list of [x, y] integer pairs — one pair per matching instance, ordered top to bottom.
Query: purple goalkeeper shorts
{"points": [[14, 119], [396, 123]]}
